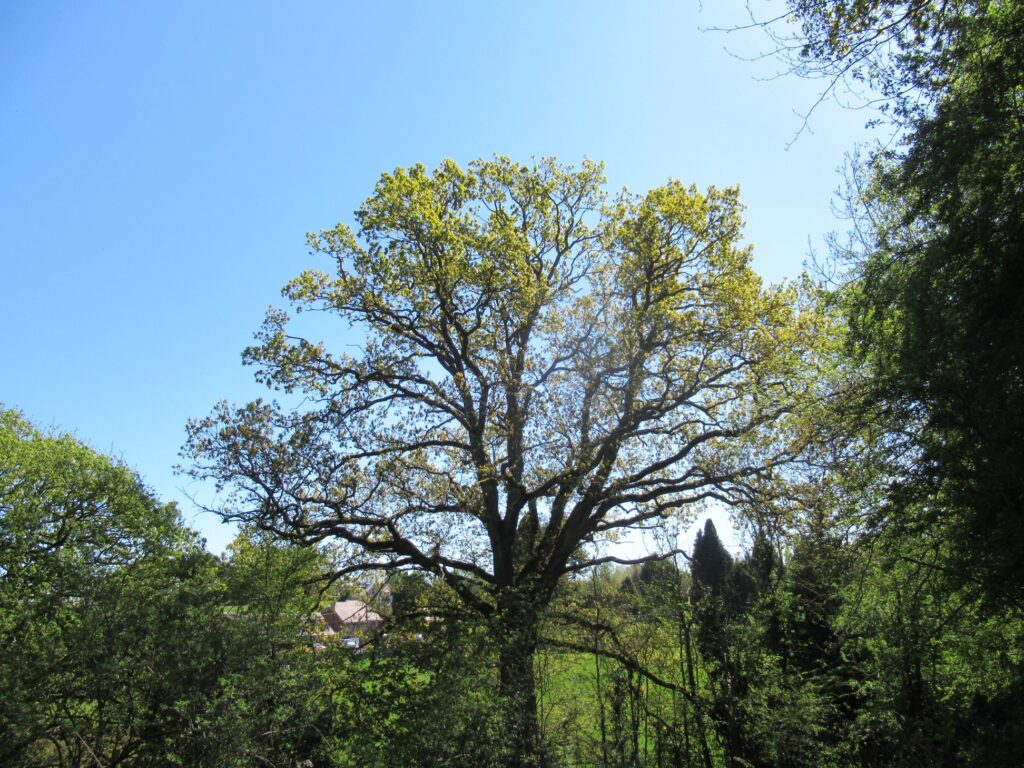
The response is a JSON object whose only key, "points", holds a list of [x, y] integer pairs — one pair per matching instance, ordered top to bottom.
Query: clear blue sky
{"points": [[161, 162]]}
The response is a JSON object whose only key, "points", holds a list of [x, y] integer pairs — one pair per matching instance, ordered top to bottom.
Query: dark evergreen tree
{"points": [[711, 562]]}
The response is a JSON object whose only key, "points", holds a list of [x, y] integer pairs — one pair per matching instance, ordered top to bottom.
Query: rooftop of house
{"points": [[351, 614]]}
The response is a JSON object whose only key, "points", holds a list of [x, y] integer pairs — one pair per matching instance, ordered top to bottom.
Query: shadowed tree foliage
{"points": [[935, 309], [939, 314], [937, 320], [84, 551], [710, 563], [124, 642]]}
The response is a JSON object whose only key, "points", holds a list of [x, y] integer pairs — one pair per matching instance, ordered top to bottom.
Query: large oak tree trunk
{"points": [[517, 635]]}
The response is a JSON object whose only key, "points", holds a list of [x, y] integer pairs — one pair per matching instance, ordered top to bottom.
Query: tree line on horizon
{"points": [[544, 368], [126, 643]]}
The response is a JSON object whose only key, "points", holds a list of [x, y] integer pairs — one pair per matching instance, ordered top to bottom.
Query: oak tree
{"points": [[536, 369]]}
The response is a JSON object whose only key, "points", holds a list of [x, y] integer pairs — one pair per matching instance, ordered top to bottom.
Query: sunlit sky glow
{"points": [[161, 163]]}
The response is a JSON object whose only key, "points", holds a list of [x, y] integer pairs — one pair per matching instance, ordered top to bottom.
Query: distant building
{"points": [[352, 618]]}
